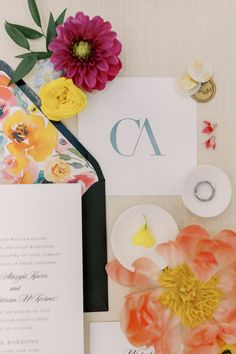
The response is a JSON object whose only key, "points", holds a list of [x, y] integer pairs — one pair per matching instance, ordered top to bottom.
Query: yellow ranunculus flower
{"points": [[61, 99], [30, 135]]}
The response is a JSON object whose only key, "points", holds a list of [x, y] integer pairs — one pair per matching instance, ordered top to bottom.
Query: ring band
{"points": [[198, 196]]}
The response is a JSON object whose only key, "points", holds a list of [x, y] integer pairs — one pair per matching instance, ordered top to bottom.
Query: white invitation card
{"points": [[143, 134], [41, 297], [115, 342]]}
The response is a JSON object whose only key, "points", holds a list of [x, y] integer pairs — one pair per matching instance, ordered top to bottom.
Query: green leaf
{"points": [[34, 12], [61, 17], [51, 31], [28, 32], [17, 36], [22, 55], [40, 55], [25, 66], [75, 152], [64, 157], [76, 164]]}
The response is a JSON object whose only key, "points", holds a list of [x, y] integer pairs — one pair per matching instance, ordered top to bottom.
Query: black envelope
{"points": [[94, 219]]}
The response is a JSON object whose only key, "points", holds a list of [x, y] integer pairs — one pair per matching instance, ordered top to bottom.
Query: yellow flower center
{"points": [[82, 50], [20, 132], [191, 299], [228, 349]]}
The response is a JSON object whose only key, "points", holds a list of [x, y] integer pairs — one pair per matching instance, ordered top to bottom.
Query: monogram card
{"points": [[143, 134]]}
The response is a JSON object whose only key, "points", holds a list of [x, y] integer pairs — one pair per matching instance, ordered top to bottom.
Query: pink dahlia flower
{"points": [[87, 50], [190, 306]]}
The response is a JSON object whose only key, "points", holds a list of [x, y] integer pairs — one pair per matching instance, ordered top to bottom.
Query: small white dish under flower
{"points": [[125, 241]]}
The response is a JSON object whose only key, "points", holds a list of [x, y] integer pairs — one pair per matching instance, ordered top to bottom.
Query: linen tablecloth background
{"points": [[159, 37]]}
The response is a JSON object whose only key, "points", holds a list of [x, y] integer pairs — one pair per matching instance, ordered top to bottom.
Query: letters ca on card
{"points": [[143, 135]]}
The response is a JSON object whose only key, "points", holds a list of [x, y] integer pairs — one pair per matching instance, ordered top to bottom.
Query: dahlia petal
{"points": [[81, 17], [97, 24], [105, 27], [89, 31], [110, 36], [103, 45], [117, 46], [113, 60], [102, 65], [82, 69], [114, 69], [93, 70], [71, 71], [102, 77], [111, 77], [78, 80], [90, 80], [100, 85], [171, 252], [145, 273], [120, 274]]}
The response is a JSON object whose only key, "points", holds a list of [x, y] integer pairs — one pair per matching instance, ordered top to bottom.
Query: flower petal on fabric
{"points": [[228, 237], [189, 238], [172, 252], [223, 253], [204, 265], [145, 273], [120, 274], [227, 281], [225, 316], [145, 321], [202, 335], [169, 342], [203, 349]]}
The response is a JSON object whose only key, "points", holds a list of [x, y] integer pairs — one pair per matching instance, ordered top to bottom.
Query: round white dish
{"points": [[222, 196], [161, 224]]}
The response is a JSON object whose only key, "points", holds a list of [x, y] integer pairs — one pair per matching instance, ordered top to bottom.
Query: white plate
{"points": [[223, 191], [161, 224]]}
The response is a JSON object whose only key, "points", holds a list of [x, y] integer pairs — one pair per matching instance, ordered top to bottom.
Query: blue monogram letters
{"points": [[146, 126]]}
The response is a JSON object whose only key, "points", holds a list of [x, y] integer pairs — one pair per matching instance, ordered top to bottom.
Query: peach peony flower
{"points": [[195, 295]]}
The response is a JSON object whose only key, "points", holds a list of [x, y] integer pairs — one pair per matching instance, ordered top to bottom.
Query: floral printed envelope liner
{"points": [[32, 150]]}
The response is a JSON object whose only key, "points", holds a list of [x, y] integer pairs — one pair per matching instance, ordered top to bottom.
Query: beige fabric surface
{"points": [[159, 37]]}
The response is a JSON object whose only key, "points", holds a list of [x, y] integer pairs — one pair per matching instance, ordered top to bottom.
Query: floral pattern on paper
{"points": [[32, 150]]}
